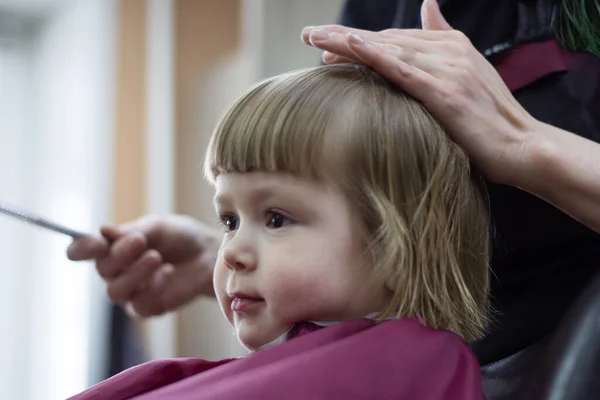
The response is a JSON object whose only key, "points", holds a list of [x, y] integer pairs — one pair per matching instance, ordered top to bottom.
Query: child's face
{"points": [[292, 252]]}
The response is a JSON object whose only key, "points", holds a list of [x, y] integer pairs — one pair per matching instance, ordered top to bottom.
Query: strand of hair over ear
{"points": [[578, 25]]}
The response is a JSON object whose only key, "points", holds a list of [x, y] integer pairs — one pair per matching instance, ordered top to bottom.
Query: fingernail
{"points": [[307, 29], [305, 34], [318, 34], [355, 39], [325, 56], [110, 226], [72, 251], [168, 269], [158, 279], [130, 311]]}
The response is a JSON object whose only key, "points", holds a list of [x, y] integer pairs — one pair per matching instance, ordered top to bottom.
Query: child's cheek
{"points": [[219, 284], [302, 297]]}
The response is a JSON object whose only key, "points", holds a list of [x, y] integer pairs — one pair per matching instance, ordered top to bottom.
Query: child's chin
{"points": [[257, 342], [249, 344]]}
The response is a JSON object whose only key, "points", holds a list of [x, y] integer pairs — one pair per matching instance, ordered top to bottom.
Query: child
{"points": [[344, 205]]}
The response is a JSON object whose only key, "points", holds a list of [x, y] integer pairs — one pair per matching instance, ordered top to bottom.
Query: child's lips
{"points": [[241, 302], [245, 305]]}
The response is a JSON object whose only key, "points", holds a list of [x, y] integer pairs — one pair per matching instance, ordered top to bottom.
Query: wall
{"points": [[282, 23], [74, 130], [15, 141], [55, 159]]}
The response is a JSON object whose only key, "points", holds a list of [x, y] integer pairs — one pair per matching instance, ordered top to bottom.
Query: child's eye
{"points": [[277, 220], [229, 222]]}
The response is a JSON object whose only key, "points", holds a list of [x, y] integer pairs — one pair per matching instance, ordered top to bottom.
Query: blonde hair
{"points": [[421, 205]]}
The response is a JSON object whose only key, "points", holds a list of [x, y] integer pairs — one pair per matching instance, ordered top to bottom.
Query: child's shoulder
{"points": [[412, 330], [409, 342], [175, 368], [147, 377]]}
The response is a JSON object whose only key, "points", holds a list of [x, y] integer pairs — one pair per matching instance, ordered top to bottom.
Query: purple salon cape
{"points": [[357, 359]]}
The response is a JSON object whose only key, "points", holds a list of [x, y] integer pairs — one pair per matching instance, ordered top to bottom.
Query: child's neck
{"points": [[302, 328]]}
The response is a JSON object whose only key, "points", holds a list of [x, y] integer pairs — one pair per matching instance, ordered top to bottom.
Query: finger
{"points": [[432, 18], [339, 29], [385, 36], [332, 43], [338, 45], [427, 56], [330, 58], [410, 78], [142, 225], [111, 232], [88, 248], [123, 253], [158, 279], [122, 288], [153, 300], [146, 304], [130, 310]]}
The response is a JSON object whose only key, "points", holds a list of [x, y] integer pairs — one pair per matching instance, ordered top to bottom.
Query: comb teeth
{"points": [[16, 212], [39, 221]]}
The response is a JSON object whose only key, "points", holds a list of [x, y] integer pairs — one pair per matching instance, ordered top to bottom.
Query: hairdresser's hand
{"points": [[440, 67], [155, 264]]}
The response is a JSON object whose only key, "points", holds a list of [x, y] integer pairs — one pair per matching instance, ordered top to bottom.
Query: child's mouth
{"points": [[245, 303]]}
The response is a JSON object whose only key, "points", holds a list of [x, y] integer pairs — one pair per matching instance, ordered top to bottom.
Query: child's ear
{"points": [[384, 276], [389, 279], [391, 283]]}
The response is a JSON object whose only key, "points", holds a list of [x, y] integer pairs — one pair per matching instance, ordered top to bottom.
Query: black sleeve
{"points": [[368, 14]]}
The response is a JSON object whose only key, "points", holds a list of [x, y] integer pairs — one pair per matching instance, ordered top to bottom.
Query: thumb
{"points": [[432, 18], [144, 225], [111, 232]]}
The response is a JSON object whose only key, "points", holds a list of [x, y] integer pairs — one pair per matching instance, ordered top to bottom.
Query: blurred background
{"points": [[106, 107]]}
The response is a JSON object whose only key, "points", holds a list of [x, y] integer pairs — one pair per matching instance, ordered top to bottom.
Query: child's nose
{"points": [[239, 255]]}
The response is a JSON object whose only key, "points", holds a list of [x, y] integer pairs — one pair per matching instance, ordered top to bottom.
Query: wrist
{"points": [[509, 158], [537, 158]]}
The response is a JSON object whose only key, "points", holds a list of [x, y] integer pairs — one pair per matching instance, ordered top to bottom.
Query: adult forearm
{"points": [[563, 169]]}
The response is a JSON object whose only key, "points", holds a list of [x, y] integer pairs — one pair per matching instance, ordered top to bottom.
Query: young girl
{"points": [[355, 257]]}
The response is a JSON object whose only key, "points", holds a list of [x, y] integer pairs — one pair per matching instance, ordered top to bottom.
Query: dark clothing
{"points": [[491, 25], [542, 258]]}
